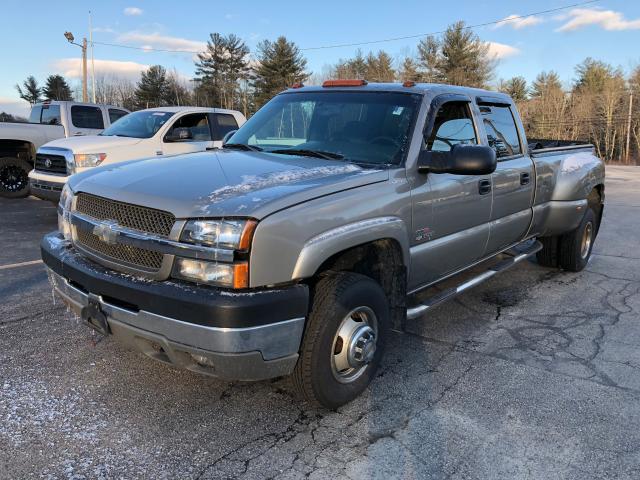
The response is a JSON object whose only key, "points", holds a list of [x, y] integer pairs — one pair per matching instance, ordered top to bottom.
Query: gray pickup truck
{"points": [[295, 248]]}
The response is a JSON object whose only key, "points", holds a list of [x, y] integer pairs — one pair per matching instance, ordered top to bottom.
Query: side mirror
{"points": [[179, 134], [227, 136], [460, 160]]}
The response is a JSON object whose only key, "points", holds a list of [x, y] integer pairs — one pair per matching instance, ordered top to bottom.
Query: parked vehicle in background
{"points": [[48, 121], [163, 131], [322, 223]]}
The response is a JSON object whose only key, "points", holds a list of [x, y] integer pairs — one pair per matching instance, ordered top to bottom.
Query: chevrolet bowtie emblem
{"points": [[107, 231]]}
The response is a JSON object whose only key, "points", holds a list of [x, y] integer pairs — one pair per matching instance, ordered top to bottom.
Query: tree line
{"points": [[595, 108]]}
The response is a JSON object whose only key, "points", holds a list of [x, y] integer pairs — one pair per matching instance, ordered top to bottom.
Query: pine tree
{"points": [[458, 58], [280, 64], [380, 68], [221, 69], [409, 70], [546, 83], [515, 87], [56, 88], [153, 89], [32, 92]]}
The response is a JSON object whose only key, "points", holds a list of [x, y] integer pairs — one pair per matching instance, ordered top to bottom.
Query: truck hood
{"points": [[93, 143], [223, 183]]}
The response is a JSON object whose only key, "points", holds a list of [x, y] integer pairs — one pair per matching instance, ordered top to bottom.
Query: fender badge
{"points": [[107, 232], [423, 234]]}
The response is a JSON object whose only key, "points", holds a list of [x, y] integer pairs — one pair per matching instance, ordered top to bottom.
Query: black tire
{"points": [[14, 177], [574, 252], [548, 256], [335, 296]]}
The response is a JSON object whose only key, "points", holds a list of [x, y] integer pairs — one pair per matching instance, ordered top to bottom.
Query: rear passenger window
{"points": [[115, 114], [51, 115], [34, 117], [86, 117], [225, 123], [453, 126], [501, 129]]}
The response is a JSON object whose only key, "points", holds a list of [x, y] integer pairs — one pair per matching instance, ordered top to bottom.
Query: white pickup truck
{"points": [[48, 121], [162, 131]]}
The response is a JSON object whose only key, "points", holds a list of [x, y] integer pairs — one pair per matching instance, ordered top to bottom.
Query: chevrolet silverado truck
{"points": [[48, 121], [160, 131], [316, 229]]}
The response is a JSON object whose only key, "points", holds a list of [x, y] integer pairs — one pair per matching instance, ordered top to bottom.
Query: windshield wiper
{"points": [[242, 146], [309, 153]]}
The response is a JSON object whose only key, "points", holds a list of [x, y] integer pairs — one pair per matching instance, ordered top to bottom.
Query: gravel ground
{"points": [[534, 374]]}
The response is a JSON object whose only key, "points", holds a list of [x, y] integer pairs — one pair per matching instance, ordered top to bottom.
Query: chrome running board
{"points": [[517, 256]]}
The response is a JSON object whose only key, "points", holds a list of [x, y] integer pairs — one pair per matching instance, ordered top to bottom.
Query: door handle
{"points": [[525, 178], [484, 186]]}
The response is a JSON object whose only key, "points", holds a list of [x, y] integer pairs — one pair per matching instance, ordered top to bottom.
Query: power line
{"points": [[371, 42]]}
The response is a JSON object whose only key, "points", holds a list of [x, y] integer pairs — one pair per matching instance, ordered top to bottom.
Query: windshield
{"points": [[143, 124], [366, 127]]}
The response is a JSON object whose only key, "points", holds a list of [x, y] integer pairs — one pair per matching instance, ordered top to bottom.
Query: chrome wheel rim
{"points": [[587, 237], [354, 344]]}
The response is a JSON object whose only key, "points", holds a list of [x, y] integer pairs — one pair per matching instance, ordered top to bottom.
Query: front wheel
{"points": [[14, 177], [343, 341]]}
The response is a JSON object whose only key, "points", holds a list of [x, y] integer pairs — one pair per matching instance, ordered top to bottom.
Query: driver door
{"points": [[200, 137], [451, 213]]}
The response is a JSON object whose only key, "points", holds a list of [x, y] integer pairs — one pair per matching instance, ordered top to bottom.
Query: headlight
{"points": [[89, 159], [64, 226], [232, 234], [232, 275]]}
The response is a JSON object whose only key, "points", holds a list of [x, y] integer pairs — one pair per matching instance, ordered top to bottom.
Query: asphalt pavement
{"points": [[533, 374]]}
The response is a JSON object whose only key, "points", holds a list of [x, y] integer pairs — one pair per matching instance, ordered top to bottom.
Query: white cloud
{"points": [[132, 11], [607, 19], [517, 22], [156, 40], [500, 50], [72, 68], [14, 106]]}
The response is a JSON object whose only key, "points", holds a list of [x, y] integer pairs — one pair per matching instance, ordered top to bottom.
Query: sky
{"points": [[33, 42]]}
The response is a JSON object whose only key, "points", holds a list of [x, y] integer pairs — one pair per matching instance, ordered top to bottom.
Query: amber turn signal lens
{"points": [[241, 275]]}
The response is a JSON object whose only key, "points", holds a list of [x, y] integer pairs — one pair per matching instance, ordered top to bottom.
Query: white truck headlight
{"points": [[82, 160], [64, 225], [232, 234], [230, 275]]}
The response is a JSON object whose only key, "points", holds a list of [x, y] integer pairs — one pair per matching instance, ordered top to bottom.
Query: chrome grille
{"points": [[51, 163], [144, 219], [133, 256]]}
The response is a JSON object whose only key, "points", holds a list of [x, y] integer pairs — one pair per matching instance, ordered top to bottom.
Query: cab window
{"points": [[36, 111], [115, 114], [51, 115], [86, 117], [224, 123], [198, 125], [453, 125], [501, 129]]}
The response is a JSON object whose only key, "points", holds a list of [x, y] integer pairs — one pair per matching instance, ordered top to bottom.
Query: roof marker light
{"points": [[344, 83], [409, 83], [297, 85]]}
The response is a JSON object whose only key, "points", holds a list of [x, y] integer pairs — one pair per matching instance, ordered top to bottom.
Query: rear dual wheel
{"points": [[343, 341]]}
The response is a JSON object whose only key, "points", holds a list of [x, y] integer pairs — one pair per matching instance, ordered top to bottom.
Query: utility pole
{"points": [[70, 38], [93, 66], [629, 127]]}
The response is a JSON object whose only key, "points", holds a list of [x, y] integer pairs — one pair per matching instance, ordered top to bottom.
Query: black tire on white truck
{"points": [[14, 177]]}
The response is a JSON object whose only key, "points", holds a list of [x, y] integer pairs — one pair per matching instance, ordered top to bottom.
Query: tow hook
{"points": [[94, 315]]}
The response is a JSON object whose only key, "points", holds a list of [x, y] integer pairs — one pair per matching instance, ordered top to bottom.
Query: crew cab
{"points": [[48, 121], [163, 131], [323, 222]]}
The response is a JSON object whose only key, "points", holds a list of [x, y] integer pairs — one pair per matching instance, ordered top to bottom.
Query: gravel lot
{"points": [[534, 374]]}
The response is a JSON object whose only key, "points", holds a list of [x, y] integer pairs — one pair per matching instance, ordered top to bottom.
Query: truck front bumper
{"points": [[46, 186], [231, 335]]}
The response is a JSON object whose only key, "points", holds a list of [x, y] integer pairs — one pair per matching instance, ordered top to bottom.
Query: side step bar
{"points": [[517, 257]]}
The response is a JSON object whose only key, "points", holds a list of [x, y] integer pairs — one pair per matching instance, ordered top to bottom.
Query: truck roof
{"points": [[420, 88], [71, 102], [190, 109]]}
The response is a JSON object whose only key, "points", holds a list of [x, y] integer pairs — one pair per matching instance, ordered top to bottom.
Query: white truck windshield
{"points": [[143, 124]]}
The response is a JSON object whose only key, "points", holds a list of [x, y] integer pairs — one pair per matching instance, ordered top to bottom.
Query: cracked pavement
{"points": [[533, 374]]}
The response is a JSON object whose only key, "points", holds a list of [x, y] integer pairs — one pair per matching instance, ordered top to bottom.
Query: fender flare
{"points": [[323, 246]]}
